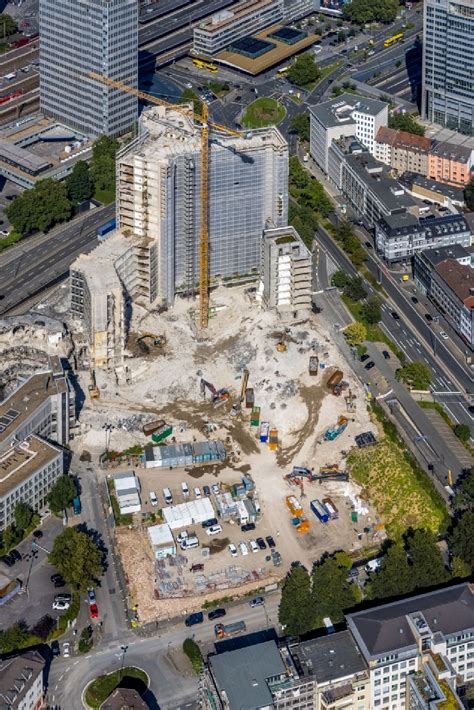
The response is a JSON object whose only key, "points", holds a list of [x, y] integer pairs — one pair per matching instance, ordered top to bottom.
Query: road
{"points": [[184, 17], [26, 269]]}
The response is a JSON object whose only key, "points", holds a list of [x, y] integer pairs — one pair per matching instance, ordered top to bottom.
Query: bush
{"points": [[193, 652]]}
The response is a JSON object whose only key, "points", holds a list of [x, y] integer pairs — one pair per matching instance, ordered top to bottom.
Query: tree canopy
{"points": [[363, 11], [8, 25], [303, 71], [405, 122], [300, 125], [102, 167], [79, 183], [306, 190], [469, 194], [41, 208], [345, 234], [340, 279], [354, 289], [371, 311], [355, 333], [416, 375], [462, 431], [61, 494], [464, 495], [23, 516], [462, 539], [77, 558], [426, 560], [393, 576], [296, 610]]}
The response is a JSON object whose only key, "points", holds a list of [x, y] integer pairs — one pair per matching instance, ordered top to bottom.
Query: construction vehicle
{"points": [[206, 127], [158, 340], [281, 347], [313, 365], [334, 380], [245, 381], [339, 388], [93, 389], [217, 396], [249, 398], [153, 426], [333, 432], [273, 439], [300, 472], [331, 473], [294, 506], [331, 508], [319, 510], [303, 527], [226, 630]]}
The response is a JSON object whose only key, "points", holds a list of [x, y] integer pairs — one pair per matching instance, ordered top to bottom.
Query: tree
{"points": [[363, 11], [8, 25], [341, 36], [303, 71], [189, 96], [405, 122], [300, 125], [102, 168], [79, 183], [469, 194], [42, 207], [340, 279], [354, 289], [371, 311], [355, 333], [416, 375], [463, 432], [61, 494], [464, 495], [23, 516], [462, 539], [77, 558], [426, 560], [394, 575], [332, 592], [295, 612], [13, 638], [86, 641]]}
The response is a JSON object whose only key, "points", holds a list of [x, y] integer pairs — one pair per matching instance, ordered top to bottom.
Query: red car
{"points": [[93, 610]]}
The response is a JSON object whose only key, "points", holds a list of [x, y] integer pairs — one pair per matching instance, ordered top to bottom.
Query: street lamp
{"points": [[108, 429], [124, 650]]}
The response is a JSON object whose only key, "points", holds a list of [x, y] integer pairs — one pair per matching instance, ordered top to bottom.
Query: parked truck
{"points": [[106, 228], [313, 365], [334, 380], [153, 426], [76, 505], [294, 506], [331, 508], [320, 511], [223, 631]]}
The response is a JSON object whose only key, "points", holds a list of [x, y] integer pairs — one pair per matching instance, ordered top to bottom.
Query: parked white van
{"points": [[167, 496]]}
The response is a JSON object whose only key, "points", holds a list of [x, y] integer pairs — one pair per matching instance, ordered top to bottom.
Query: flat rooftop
{"points": [[216, 22], [281, 51], [338, 111], [9, 152], [376, 177], [454, 193], [437, 255], [98, 266], [20, 405], [18, 463], [331, 657]]}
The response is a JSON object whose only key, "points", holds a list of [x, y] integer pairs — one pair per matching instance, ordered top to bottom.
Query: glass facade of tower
{"points": [[83, 36], [448, 64]]}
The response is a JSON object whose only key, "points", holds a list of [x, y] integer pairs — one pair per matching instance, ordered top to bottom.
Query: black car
{"points": [[368, 245], [414, 299], [395, 315], [428, 317], [386, 354], [364, 357], [369, 365], [471, 409], [206, 490], [209, 523], [247, 527], [38, 534], [270, 541], [261, 543], [16, 555], [7, 560], [58, 581], [216, 614], [193, 619], [55, 650]]}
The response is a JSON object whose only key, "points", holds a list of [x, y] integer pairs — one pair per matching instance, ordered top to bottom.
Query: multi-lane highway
{"points": [[184, 17]]}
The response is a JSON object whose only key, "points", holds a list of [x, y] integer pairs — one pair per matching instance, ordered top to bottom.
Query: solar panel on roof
{"points": [[289, 35], [251, 46], [12, 413], [5, 421]]}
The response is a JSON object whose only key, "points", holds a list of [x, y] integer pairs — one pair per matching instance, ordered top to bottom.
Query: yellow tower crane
{"points": [[203, 120]]}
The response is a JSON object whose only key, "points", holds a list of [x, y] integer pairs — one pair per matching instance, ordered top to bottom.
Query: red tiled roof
{"points": [[402, 139], [459, 278]]}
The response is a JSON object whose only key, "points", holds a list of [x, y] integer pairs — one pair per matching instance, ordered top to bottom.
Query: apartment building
{"points": [[247, 17], [83, 36], [448, 64], [347, 115], [404, 152], [450, 163], [426, 189], [399, 237], [425, 262], [285, 274], [452, 289], [43, 404], [397, 640], [22, 683]]}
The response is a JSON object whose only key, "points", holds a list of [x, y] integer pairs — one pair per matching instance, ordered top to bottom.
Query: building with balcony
{"points": [[404, 152], [450, 163], [425, 262], [285, 274], [452, 289], [22, 682]]}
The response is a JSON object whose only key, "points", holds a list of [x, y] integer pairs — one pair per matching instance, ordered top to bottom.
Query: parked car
{"points": [[368, 245], [414, 299], [395, 315], [428, 317], [442, 334], [386, 354], [364, 357], [369, 365], [215, 488], [184, 489], [206, 490], [197, 492], [153, 499], [209, 523], [247, 527], [214, 530], [38, 534], [182, 536], [270, 541], [261, 543], [253, 546], [243, 549], [233, 550], [15, 555], [7, 560], [354, 572], [59, 582], [91, 596], [63, 597], [258, 601], [61, 606], [93, 611], [216, 614], [196, 618], [55, 649], [66, 649]]}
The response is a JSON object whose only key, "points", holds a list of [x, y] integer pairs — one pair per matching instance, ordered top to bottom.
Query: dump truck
{"points": [[313, 365], [334, 380], [249, 398], [153, 426], [264, 430], [333, 432], [273, 439], [294, 506], [331, 508], [319, 510], [223, 631]]}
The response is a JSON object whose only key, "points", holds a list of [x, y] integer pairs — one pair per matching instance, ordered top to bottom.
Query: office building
{"points": [[297, 9], [227, 26], [83, 36], [448, 64], [347, 115], [404, 152], [450, 163], [427, 189], [158, 203], [399, 237], [425, 262], [285, 274], [452, 289], [43, 404], [28, 470], [398, 638], [22, 682]]}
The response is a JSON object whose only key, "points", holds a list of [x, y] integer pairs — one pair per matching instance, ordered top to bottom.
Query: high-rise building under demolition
{"points": [[83, 36], [159, 198]]}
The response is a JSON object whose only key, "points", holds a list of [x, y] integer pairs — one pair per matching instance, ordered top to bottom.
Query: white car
{"points": [[444, 335], [215, 488], [185, 489], [197, 492], [153, 499], [214, 530], [182, 536], [253, 546], [243, 549], [233, 550], [61, 606], [66, 649]]}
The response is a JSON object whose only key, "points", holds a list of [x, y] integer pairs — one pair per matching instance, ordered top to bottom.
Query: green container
{"points": [[255, 416], [163, 433], [354, 516]]}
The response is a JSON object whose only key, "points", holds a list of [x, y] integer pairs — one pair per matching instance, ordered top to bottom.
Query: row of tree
{"points": [[364, 11], [51, 202]]}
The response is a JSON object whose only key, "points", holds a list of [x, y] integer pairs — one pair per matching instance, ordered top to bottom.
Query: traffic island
{"points": [[263, 112], [99, 689]]}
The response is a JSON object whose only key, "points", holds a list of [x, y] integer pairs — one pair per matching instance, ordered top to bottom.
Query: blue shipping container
{"points": [[107, 227], [76, 504], [320, 511]]}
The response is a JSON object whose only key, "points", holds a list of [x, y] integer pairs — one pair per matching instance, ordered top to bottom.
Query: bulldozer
{"points": [[93, 389]]}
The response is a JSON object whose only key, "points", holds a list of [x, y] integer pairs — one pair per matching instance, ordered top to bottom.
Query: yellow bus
{"points": [[391, 40], [200, 64], [282, 71]]}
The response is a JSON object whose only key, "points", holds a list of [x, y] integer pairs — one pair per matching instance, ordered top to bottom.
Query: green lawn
{"points": [[262, 112], [105, 196], [12, 238], [99, 689]]}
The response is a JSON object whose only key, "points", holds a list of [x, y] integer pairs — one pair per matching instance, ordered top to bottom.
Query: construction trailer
{"points": [[313, 365], [153, 426], [162, 433]]}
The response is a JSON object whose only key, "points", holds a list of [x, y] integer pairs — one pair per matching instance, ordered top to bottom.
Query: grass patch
{"points": [[325, 71], [218, 88], [262, 112], [105, 196], [12, 238], [375, 334], [442, 412], [401, 491], [213, 604], [71, 613], [193, 652], [99, 689]]}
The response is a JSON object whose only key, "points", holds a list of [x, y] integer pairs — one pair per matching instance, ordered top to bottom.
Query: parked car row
{"points": [[168, 496], [12, 558], [198, 616]]}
